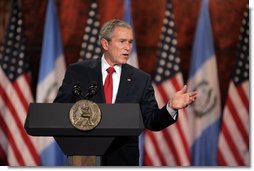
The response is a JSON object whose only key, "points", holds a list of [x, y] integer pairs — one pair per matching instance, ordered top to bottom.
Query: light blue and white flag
{"points": [[133, 60], [51, 73], [205, 113]]}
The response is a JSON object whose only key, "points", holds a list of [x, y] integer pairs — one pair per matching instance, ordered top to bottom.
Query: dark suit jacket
{"points": [[134, 87]]}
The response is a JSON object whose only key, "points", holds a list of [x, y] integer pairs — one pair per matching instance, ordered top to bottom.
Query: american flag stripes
{"points": [[90, 47], [16, 147], [169, 147], [233, 147]]}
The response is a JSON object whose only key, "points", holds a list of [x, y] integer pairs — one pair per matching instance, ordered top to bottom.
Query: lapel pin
{"points": [[128, 79]]}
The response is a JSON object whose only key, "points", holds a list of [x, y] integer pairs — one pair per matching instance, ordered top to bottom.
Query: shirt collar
{"points": [[105, 66]]}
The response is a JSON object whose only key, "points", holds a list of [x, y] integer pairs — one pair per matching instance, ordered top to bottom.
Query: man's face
{"points": [[119, 47]]}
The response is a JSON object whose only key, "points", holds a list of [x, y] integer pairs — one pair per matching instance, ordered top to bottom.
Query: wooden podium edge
{"points": [[84, 161]]}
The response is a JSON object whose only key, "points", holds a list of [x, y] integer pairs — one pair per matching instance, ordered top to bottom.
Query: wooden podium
{"points": [[84, 147]]}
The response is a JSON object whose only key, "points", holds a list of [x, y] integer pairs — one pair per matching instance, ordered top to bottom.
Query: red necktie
{"points": [[108, 85]]}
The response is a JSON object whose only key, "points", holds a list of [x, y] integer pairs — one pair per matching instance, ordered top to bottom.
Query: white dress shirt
{"points": [[115, 76], [116, 80]]}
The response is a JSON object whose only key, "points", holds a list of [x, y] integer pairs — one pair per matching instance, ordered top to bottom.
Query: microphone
{"points": [[76, 90], [92, 90]]}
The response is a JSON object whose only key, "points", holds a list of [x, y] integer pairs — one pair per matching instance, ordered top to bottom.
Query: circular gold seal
{"points": [[85, 115]]}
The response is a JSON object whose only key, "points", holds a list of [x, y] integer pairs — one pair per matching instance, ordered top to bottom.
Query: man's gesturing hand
{"points": [[181, 99]]}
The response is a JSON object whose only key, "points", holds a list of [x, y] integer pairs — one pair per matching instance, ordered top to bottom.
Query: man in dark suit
{"points": [[130, 85]]}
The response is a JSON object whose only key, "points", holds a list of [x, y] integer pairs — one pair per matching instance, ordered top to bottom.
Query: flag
{"points": [[90, 47], [133, 60], [51, 73], [205, 113], [169, 147], [17, 148], [233, 148]]}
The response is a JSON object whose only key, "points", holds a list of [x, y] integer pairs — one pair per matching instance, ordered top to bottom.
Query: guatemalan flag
{"points": [[133, 60], [52, 68], [205, 113]]}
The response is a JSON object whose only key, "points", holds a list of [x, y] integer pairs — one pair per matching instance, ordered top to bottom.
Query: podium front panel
{"points": [[52, 119]]}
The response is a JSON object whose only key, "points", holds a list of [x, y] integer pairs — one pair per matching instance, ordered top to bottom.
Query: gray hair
{"points": [[109, 27]]}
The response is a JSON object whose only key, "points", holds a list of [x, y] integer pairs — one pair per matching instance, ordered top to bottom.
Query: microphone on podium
{"points": [[92, 90]]}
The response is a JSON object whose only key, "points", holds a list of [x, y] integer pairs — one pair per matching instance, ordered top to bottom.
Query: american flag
{"points": [[90, 47], [16, 147], [169, 147], [233, 147]]}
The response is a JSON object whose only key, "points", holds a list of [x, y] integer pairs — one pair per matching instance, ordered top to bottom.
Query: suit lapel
{"points": [[96, 75], [125, 84]]}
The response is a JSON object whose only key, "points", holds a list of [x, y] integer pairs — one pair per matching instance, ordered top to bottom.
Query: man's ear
{"points": [[104, 44]]}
